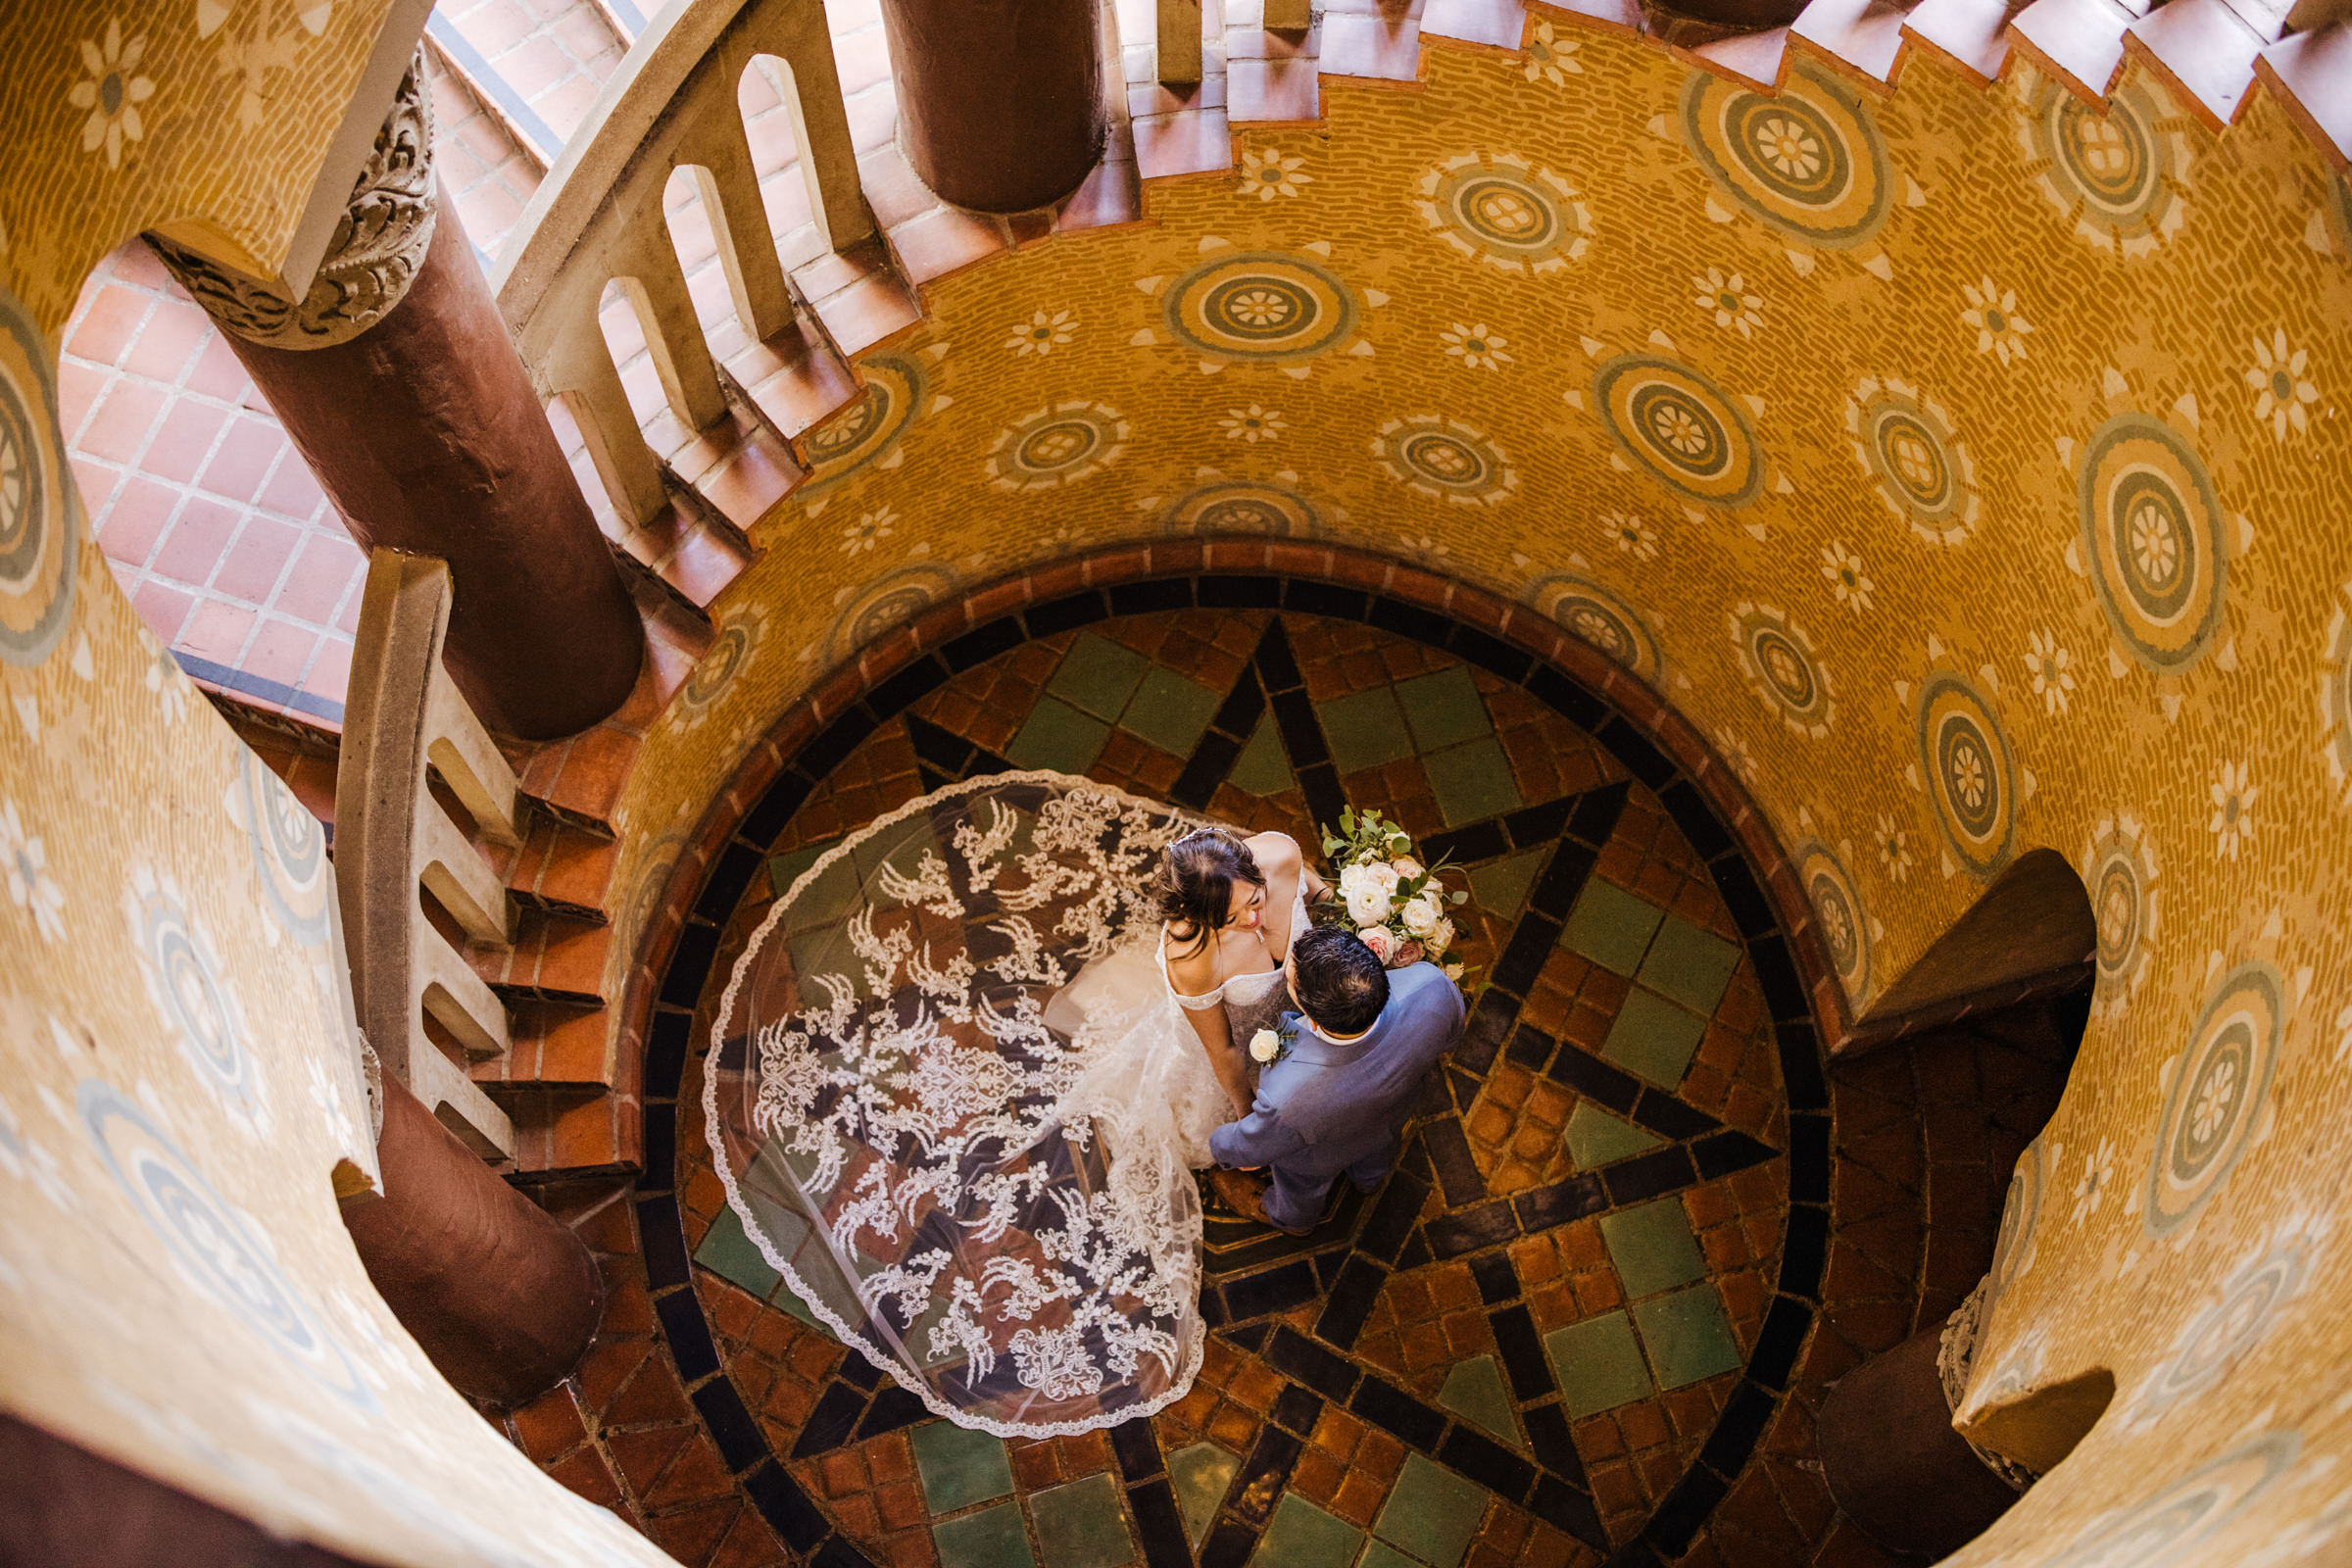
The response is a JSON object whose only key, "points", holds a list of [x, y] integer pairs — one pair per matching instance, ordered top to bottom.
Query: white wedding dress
{"points": [[957, 1103]]}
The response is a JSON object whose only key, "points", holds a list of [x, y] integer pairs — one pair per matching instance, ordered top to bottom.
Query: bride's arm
{"points": [[1193, 976]]}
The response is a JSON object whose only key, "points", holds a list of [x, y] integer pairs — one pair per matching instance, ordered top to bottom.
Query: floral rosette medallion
{"points": [[1392, 899]]}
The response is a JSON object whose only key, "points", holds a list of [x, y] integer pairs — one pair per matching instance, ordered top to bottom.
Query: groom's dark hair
{"points": [[1340, 984]]}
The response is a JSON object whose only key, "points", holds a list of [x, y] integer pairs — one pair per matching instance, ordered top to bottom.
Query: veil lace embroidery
{"points": [[955, 1105]]}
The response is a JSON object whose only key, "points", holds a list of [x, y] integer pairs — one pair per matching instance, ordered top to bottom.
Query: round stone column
{"points": [[1000, 101], [396, 379], [501, 1298], [1891, 1456]]}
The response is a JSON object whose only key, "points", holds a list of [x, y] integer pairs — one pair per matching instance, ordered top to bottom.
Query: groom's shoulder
{"points": [[1422, 988]]}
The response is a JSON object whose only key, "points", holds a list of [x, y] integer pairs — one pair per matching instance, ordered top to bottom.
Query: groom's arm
{"points": [[1257, 1139]]}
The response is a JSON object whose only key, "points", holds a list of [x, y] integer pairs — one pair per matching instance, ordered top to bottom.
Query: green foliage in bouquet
{"points": [[1386, 895]]}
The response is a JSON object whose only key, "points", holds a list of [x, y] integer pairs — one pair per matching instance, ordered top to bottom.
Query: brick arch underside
{"points": [[1890, 1169]]}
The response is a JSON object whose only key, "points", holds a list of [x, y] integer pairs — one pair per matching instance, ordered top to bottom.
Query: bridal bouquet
{"points": [[1397, 904]]}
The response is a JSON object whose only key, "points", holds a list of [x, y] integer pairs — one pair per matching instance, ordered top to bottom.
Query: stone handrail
{"points": [[598, 217], [404, 723]]}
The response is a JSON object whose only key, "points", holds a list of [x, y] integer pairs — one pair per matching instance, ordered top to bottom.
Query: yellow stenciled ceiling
{"points": [[1968, 464]]}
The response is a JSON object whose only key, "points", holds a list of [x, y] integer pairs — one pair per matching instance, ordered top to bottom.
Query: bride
{"points": [[965, 1068]]}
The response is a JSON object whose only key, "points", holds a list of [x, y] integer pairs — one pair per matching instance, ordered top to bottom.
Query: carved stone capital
{"points": [[379, 245], [1956, 1356]]}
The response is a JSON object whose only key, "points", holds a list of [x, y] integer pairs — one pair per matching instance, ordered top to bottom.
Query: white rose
{"points": [[1405, 866], [1369, 892], [1422, 915], [1442, 938], [1453, 971], [1264, 1046]]}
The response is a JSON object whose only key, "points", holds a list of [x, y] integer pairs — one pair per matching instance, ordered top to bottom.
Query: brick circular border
{"points": [[1655, 743]]}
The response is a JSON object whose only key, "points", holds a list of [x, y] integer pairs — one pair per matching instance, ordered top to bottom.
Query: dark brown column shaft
{"points": [[1000, 101], [396, 378], [425, 433], [502, 1297], [1892, 1461], [63, 1506]]}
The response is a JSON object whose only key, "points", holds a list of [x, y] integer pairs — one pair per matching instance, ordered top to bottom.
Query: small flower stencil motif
{"points": [[1547, 57], [112, 93], [1787, 146], [1266, 174], [1727, 295], [1992, 311], [1041, 334], [1477, 348], [2280, 388], [1253, 425], [1673, 425], [869, 531], [1630, 534], [1422, 548], [2154, 549], [1844, 568], [2048, 663], [1968, 779], [2232, 810], [1894, 849], [30, 887], [2214, 1095], [2091, 1188]]}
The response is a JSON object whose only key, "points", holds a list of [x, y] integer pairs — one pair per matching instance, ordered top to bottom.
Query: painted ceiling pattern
{"points": [[1965, 463]]}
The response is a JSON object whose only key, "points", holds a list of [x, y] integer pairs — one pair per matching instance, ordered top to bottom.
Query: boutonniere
{"points": [[1269, 1046]]}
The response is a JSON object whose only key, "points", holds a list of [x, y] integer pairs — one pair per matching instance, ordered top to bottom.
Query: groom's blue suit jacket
{"points": [[1327, 1108]]}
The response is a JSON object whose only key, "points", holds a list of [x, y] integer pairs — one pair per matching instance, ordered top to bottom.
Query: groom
{"points": [[1334, 1103]]}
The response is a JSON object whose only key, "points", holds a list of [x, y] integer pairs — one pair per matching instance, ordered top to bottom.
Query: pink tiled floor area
{"points": [[556, 54], [476, 162], [214, 524], [215, 529]]}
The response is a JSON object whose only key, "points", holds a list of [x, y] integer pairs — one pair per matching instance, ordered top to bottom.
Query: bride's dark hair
{"points": [[1196, 879]]}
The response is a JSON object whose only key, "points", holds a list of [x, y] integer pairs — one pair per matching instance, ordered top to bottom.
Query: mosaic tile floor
{"points": [[1565, 1330]]}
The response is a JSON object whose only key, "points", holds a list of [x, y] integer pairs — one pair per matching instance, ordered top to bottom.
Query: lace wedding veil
{"points": [[903, 1120]]}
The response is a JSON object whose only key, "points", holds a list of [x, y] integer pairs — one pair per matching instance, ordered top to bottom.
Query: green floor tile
{"points": [[1099, 676], [1444, 709], [1170, 712], [1365, 730], [1058, 736], [1263, 767], [1472, 781], [785, 869], [1501, 889], [1610, 926], [1690, 965], [1653, 1037], [1596, 1138], [1653, 1247], [729, 1253], [1687, 1335], [1598, 1363], [1474, 1392], [959, 1466], [1202, 1474], [1432, 1513], [1080, 1525], [1303, 1535], [993, 1537], [1380, 1555]]}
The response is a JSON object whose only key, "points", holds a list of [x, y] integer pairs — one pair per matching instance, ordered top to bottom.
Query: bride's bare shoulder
{"points": [[1275, 851], [1192, 964]]}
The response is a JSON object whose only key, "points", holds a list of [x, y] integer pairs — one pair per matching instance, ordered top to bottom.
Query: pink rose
{"points": [[1380, 939], [1410, 953]]}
